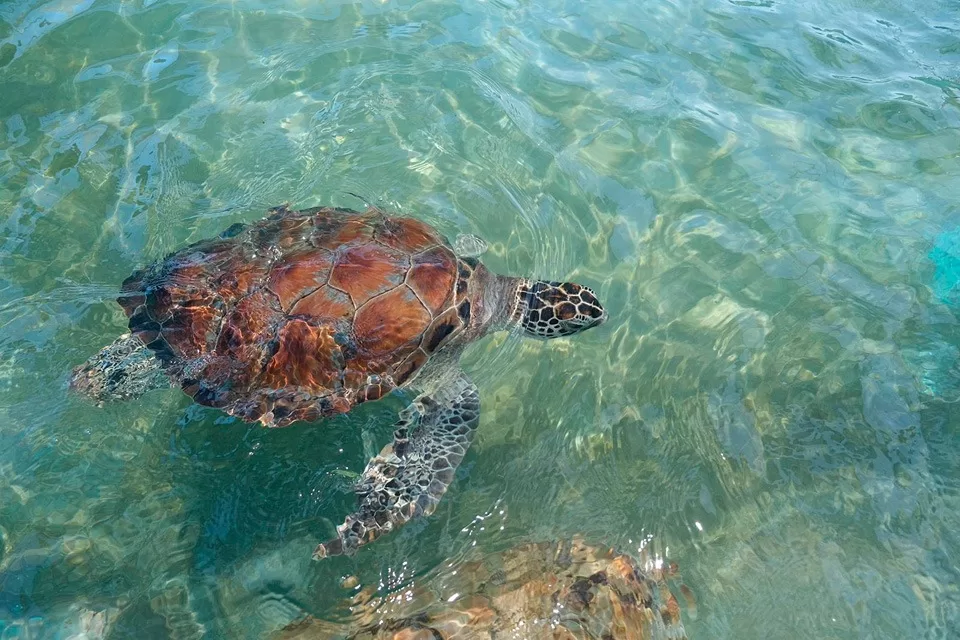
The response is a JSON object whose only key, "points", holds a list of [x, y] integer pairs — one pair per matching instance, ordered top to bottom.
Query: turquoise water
{"points": [[763, 193]]}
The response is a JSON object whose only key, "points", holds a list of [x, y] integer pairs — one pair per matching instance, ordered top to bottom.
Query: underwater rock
{"points": [[93, 625]]}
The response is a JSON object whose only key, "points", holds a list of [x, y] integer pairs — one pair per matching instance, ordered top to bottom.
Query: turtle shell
{"points": [[302, 314]]}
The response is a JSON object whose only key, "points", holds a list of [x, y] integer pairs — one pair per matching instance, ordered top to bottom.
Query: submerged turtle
{"points": [[306, 314], [560, 591]]}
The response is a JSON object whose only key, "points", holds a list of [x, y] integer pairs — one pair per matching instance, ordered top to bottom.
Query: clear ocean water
{"points": [[764, 193]]}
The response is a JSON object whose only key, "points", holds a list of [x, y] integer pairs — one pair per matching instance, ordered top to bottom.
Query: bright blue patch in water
{"points": [[946, 258]]}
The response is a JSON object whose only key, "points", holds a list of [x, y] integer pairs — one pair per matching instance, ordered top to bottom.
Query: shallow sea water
{"points": [[765, 194]]}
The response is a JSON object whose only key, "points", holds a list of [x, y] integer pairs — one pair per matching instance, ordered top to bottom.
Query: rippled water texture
{"points": [[764, 193]]}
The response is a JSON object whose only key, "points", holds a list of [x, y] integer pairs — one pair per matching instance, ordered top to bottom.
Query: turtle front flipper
{"points": [[123, 370], [410, 475]]}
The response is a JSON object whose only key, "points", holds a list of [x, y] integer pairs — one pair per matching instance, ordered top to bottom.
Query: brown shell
{"points": [[302, 314]]}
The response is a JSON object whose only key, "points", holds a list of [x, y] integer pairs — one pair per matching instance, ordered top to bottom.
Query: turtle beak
{"points": [[598, 321], [595, 322]]}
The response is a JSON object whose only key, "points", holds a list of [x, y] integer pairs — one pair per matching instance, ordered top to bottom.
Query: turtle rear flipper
{"points": [[123, 370], [410, 475]]}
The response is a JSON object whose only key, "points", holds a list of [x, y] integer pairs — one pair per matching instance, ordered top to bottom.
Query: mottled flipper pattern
{"points": [[123, 370], [410, 475]]}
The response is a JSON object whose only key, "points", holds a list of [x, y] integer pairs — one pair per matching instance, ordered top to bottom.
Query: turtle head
{"points": [[555, 309]]}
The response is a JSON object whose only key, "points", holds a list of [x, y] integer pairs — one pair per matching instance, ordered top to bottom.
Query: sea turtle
{"points": [[306, 314], [562, 591]]}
